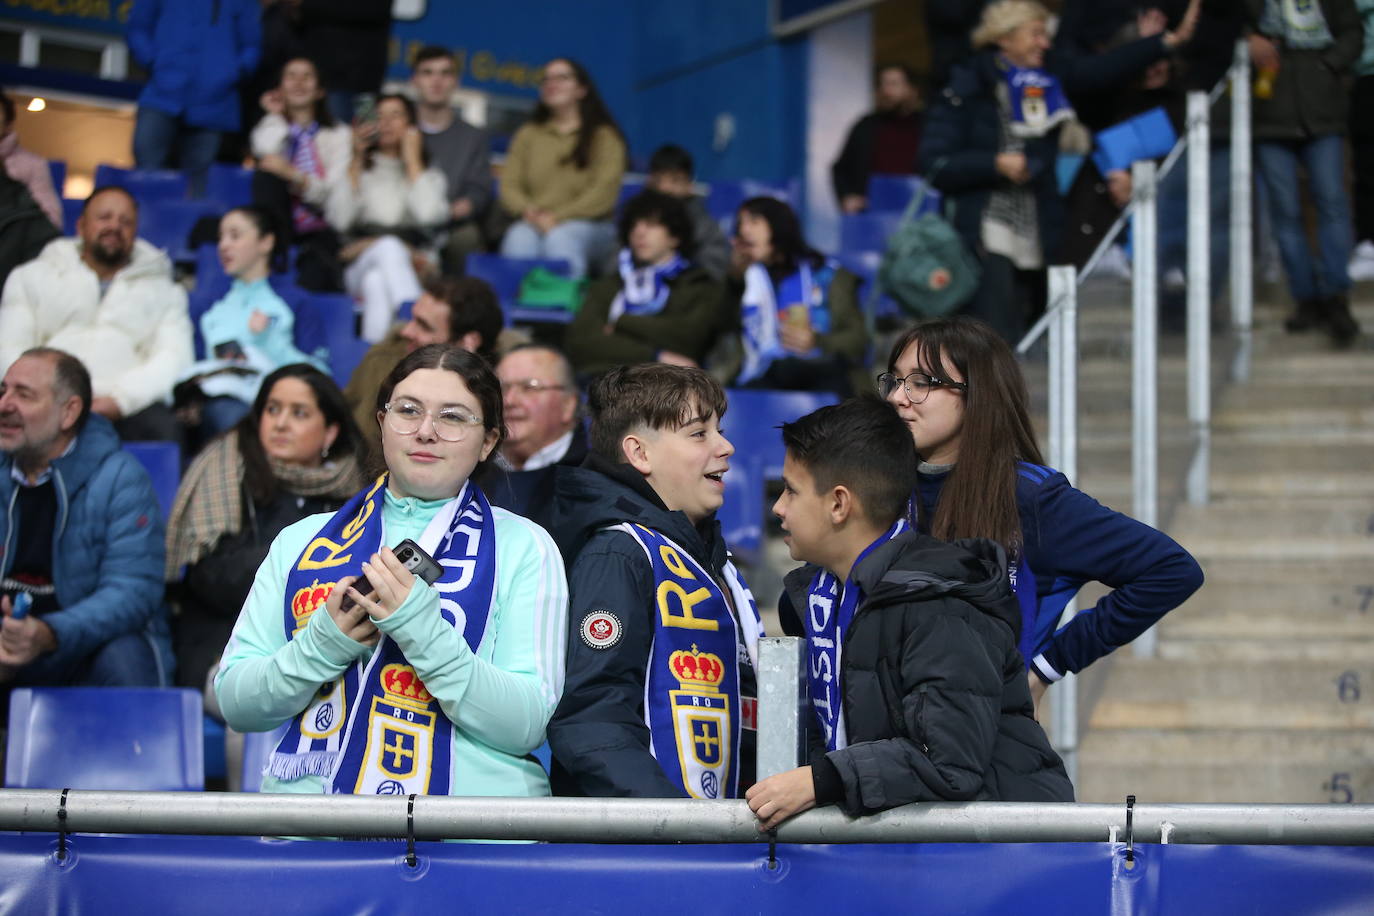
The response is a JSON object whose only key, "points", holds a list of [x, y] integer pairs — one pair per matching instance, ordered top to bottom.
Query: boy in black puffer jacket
{"points": [[917, 686]]}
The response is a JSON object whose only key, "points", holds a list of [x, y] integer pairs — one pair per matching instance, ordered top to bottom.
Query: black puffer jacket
{"points": [[936, 702], [599, 741]]}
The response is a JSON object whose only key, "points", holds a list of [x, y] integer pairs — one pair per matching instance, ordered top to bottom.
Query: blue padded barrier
{"points": [[133, 738], [158, 875]]}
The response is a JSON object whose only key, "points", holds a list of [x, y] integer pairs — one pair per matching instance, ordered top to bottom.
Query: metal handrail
{"points": [[656, 821]]}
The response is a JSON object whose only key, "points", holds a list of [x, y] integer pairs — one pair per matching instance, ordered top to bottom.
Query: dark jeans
{"points": [[163, 141], [1323, 158], [1008, 298], [154, 423], [131, 660]]}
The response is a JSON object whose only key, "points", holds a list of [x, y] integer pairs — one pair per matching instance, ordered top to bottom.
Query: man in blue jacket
{"points": [[196, 53], [81, 538]]}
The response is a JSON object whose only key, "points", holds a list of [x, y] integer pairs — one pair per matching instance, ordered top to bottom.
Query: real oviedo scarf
{"points": [[1038, 103], [643, 290], [764, 308], [830, 608], [692, 688], [377, 730]]}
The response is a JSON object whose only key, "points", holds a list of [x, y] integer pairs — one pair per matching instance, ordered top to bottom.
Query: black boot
{"points": [[1309, 314], [1336, 314]]}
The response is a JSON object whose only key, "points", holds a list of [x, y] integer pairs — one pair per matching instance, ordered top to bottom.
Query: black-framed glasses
{"points": [[918, 385], [530, 386], [452, 424]]}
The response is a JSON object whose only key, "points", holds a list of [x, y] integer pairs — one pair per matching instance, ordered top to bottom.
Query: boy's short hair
{"points": [[432, 52], [671, 158], [664, 209], [649, 396], [862, 445]]}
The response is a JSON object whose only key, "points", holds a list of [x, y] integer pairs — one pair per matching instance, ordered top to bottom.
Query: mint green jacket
{"points": [[499, 698]]}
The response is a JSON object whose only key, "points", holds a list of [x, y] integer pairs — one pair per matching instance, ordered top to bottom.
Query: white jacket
{"points": [[333, 145], [387, 198], [135, 342]]}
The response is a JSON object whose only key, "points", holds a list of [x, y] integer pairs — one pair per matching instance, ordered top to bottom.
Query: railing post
{"points": [[1242, 225], [1199, 287], [1144, 362], [1063, 455], [783, 704]]}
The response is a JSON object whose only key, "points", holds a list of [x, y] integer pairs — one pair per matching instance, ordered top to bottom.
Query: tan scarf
{"points": [[209, 502]]}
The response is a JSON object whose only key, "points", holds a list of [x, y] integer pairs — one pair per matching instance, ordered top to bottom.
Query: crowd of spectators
{"points": [[385, 196]]}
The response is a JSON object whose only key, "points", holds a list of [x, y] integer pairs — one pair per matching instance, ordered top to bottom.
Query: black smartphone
{"points": [[230, 349], [413, 558]]}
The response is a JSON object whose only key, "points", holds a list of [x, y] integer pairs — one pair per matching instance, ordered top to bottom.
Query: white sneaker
{"points": [[1362, 262], [1114, 264]]}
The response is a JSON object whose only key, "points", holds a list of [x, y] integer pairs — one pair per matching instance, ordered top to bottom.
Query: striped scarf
{"points": [[305, 158]]}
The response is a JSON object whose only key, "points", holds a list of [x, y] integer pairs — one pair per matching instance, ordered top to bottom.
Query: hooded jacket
{"points": [[135, 340], [107, 552], [935, 697], [599, 741]]}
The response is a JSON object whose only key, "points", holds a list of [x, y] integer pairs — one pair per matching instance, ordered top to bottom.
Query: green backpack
{"points": [[926, 267]]}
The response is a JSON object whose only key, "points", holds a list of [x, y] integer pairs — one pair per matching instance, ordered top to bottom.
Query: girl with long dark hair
{"points": [[562, 174], [956, 384], [295, 453]]}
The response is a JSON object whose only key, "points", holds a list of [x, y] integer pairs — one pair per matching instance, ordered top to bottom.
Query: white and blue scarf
{"points": [[1298, 24], [1038, 103], [644, 290], [764, 308], [830, 608], [692, 702], [377, 730]]}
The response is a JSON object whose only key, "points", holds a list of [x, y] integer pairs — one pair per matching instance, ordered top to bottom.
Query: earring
{"points": [[324, 452]]}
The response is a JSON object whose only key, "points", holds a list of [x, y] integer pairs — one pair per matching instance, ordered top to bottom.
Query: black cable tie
{"points": [[62, 826], [1130, 829], [410, 833], [773, 849]]}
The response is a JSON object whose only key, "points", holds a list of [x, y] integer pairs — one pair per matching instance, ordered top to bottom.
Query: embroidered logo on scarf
{"points": [[829, 610], [691, 691], [377, 730]]}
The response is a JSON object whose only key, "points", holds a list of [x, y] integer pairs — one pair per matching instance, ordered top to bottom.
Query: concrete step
{"points": [[1280, 519], [1355, 550], [1323, 577], [1242, 646], [1234, 696], [1260, 766]]}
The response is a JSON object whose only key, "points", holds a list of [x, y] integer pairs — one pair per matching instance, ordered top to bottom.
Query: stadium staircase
{"points": [[1263, 687]]}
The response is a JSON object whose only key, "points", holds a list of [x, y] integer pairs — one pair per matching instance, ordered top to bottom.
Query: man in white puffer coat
{"points": [[108, 298]]}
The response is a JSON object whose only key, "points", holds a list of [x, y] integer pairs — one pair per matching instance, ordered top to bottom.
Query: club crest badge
{"points": [[601, 629]]}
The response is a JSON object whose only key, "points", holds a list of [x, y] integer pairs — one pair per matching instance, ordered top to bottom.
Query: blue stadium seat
{"points": [[58, 168], [144, 184], [231, 185], [628, 189], [892, 192], [724, 197], [71, 211], [167, 223], [867, 231], [864, 265], [504, 274], [335, 311], [344, 357], [753, 417], [162, 461], [741, 516], [132, 738], [257, 747]]}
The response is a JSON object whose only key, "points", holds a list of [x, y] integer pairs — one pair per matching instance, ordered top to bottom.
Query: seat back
{"points": [[58, 169], [144, 184], [231, 185], [167, 224], [504, 274], [752, 421], [162, 461], [132, 738], [257, 748]]}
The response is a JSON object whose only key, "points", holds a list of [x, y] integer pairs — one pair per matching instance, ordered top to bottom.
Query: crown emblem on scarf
{"points": [[307, 599], [695, 670], [400, 682]]}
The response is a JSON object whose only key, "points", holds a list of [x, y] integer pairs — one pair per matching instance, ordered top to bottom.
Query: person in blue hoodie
{"points": [[196, 52], [956, 384], [81, 538]]}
